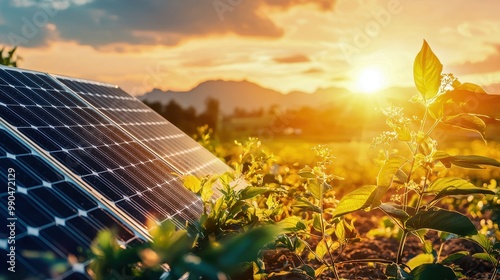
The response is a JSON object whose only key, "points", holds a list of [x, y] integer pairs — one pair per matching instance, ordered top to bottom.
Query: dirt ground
{"points": [[380, 248]]}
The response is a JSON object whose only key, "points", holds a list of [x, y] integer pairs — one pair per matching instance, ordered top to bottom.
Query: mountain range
{"points": [[250, 96]]}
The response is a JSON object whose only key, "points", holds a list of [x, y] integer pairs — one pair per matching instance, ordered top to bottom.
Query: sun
{"points": [[370, 80]]}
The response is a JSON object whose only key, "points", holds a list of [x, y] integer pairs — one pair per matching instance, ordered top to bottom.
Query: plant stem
{"points": [[421, 194], [401, 247], [440, 251], [370, 260], [495, 271]]}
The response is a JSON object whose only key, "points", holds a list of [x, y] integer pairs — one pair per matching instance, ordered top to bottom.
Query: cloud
{"points": [[145, 22], [298, 58], [489, 65], [313, 71]]}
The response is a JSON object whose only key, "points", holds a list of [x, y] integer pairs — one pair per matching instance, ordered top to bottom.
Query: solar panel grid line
{"points": [[57, 78], [110, 146], [186, 167], [69, 175], [184, 194], [38, 225]]}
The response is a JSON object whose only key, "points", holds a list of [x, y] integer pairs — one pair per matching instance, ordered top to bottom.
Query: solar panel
{"points": [[148, 127], [87, 156]]}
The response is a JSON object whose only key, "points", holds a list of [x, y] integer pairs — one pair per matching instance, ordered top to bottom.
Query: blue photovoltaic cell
{"points": [[148, 127], [87, 156], [46, 207]]}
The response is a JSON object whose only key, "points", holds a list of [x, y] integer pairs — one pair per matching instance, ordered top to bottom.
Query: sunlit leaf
{"points": [[427, 72], [470, 87], [462, 101], [467, 121], [465, 161], [390, 169], [307, 172], [192, 183], [454, 186], [315, 189], [250, 192], [358, 199], [307, 205], [394, 211], [443, 220], [317, 222], [290, 224], [340, 232], [482, 240], [321, 249], [455, 256], [486, 257], [419, 260], [320, 270], [433, 271]]}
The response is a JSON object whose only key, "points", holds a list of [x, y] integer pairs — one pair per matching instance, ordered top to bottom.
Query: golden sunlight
{"points": [[370, 80]]}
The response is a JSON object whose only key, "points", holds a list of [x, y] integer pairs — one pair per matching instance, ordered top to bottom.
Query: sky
{"points": [[285, 45]]}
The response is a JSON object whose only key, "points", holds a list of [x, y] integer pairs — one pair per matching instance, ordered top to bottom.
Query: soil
{"points": [[378, 248]]}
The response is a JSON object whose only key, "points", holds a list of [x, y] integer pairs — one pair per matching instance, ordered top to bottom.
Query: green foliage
{"points": [[10, 59], [300, 210]]}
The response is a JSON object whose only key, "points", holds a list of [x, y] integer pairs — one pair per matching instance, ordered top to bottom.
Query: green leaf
{"points": [[427, 72], [470, 87], [468, 122], [465, 161], [392, 167], [388, 170], [307, 172], [192, 183], [454, 186], [315, 189], [250, 192], [358, 199], [307, 205], [392, 210], [443, 220], [317, 222], [291, 224], [340, 232], [445, 236], [482, 240], [242, 247], [427, 247], [321, 249], [455, 256], [485, 257], [419, 260], [308, 270], [320, 270], [433, 271], [398, 272]]}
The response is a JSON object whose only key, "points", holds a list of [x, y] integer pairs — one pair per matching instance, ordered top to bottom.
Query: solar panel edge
{"points": [[55, 78], [129, 133], [127, 221]]}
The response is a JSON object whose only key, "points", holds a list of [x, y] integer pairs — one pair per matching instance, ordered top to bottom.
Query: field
{"points": [[420, 201]]}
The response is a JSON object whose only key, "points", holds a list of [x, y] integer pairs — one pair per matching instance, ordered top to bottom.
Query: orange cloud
{"points": [[298, 58], [490, 64]]}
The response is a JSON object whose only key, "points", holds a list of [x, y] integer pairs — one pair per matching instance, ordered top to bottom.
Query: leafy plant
{"points": [[10, 59], [409, 176], [262, 207]]}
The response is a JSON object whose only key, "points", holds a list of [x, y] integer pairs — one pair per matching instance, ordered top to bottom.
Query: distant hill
{"points": [[244, 94], [250, 96]]}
